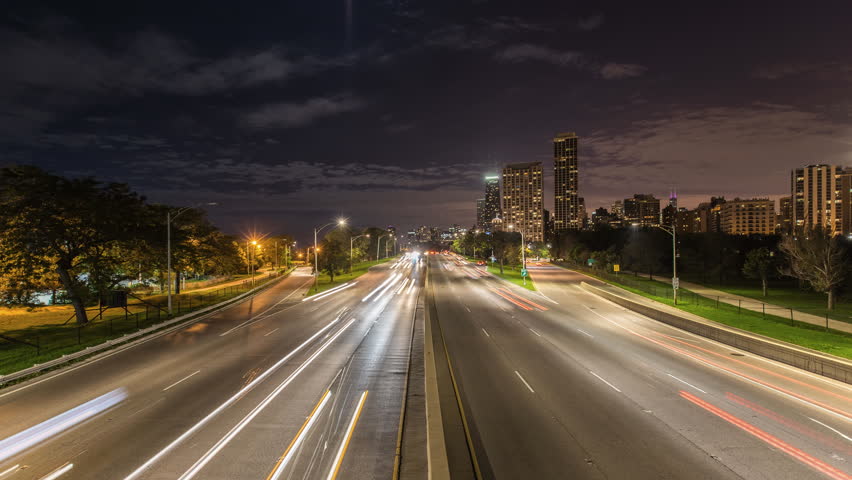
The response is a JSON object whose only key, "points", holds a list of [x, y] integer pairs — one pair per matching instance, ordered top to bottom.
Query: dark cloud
{"points": [[590, 23], [301, 114]]}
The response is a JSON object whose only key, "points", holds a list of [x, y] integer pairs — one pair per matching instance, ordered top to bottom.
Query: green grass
{"points": [[512, 274], [324, 281], [791, 297], [803, 334], [40, 336]]}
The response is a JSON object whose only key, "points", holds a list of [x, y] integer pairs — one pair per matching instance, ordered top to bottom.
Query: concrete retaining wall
{"points": [[799, 357]]}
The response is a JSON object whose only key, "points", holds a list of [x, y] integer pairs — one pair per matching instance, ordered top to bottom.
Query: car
{"points": [[480, 262], [537, 264]]}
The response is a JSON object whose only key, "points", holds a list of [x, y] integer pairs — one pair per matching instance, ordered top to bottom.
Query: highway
{"points": [[563, 384], [277, 386]]}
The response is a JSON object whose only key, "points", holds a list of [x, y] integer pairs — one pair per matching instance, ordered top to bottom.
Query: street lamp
{"points": [[169, 218], [340, 222], [672, 231], [351, 242], [379, 242], [523, 254], [249, 258]]}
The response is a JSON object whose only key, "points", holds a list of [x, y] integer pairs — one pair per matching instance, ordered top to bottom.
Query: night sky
{"points": [[391, 112]]}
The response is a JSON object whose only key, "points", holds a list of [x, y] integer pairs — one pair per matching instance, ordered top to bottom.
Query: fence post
{"points": [[717, 302], [763, 305], [739, 307], [137, 318], [826, 321], [110, 323], [792, 323], [78, 335], [38, 345]]}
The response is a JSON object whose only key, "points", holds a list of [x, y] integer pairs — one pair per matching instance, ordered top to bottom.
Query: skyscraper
{"points": [[817, 195], [492, 200], [522, 200], [567, 207], [642, 210], [748, 217], [481, 218]]}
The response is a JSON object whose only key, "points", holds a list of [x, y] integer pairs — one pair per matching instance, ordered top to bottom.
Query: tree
{"points": [[77, 228], [506, 247], [334, 253], [816, 257], [760, 264]]}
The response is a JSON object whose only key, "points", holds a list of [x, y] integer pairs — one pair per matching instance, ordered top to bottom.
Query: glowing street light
{"points": [[340, 223], [351, 242]]}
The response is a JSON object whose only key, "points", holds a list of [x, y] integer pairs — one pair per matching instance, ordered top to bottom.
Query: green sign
{"points": [[523, 272]]}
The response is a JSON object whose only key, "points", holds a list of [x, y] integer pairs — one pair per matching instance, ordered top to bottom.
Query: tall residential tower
{"points": [[491, 206], [523, 208], [566, 215]]}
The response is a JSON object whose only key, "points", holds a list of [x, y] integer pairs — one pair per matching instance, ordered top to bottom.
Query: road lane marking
{"points": [[402, 287], [411, 288], [467, 308], [270, 332], [485, 332], [534, 332], [584, 332], [182, 379], [601, 379], [525, 382], [686, 383], [801, 398], [47, 429], [191, 431], [300, 435], [845, 437], [773, 441], [338, 460], [199, 465], [9, 470], [56, 474]]}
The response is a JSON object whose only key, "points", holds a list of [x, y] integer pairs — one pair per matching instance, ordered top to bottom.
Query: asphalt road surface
{"points": [[563, 384], [277, 386]]}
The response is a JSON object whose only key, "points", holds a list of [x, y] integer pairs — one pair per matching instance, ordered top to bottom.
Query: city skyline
{"points": [[183, 116]]}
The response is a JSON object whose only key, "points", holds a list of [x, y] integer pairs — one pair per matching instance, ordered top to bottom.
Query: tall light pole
{"points": [[169, 218], [340, 222], [673, 232], [351, 242], [379, 242], [523, 254], [249, 257]]}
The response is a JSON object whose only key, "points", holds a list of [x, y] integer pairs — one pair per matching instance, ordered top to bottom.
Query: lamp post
{"points": [[169, 218], [340, 222], [673, 232], [351, 242], [379, 242], [523, 254], [249, 257]]}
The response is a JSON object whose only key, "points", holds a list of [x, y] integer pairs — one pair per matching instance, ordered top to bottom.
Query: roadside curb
{"points": [[135, 338], [799, 357]]}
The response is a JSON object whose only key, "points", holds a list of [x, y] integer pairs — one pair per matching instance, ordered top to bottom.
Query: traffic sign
{"points": [[616, 268], [523, 272], [675, 282]]}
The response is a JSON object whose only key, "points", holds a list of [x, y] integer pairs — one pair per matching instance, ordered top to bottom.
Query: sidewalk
{"points": [[761, 307]]}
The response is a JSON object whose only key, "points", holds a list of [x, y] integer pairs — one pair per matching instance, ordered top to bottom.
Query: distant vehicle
{"points": [[480, 262], [537, 264]]}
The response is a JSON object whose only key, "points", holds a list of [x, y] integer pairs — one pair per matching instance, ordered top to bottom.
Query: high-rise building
{"points": [[816, 192], [522, 200], [846, 202], [566, 203], [491, 208], [642, 210], [669, 213], [785, 215], [707, 216], [481, 217], [748, 217]]}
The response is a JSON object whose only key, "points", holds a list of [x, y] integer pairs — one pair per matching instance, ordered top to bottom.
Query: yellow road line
{"points": [[298, 434], [342, 452]]}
